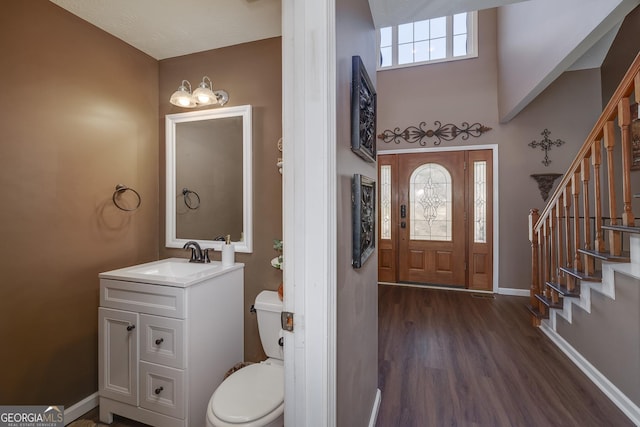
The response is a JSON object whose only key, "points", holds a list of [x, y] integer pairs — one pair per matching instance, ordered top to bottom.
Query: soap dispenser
{"points": [[228, 253]]}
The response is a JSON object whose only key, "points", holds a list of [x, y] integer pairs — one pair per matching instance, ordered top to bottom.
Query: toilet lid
{"points": [[249, 393]]}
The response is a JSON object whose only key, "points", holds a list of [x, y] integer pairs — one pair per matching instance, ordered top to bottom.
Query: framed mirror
{"points": [[209, 178]]}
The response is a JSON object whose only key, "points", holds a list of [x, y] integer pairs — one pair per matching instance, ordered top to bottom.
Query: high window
{"points": [[432, 40]]}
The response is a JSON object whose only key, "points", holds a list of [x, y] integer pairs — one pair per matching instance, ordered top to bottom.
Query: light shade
{"points": [[203, 95], [183, 97]]}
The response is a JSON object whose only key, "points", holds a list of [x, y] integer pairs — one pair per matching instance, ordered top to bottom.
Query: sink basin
{"points": [[176, 269], [172, 271]]}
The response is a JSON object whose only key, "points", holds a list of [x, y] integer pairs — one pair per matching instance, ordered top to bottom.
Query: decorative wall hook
{"points": [[447, 132], [546, 145], [279, 163], [545, 182]]}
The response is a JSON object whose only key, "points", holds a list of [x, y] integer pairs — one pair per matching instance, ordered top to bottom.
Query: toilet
{"points": [[254, 395]]}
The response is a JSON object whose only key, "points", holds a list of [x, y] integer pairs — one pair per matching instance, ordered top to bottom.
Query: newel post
{"points": [[534, 215]]}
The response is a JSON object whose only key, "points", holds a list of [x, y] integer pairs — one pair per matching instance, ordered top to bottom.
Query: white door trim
{"points": [[309, 210], [496, 212]]}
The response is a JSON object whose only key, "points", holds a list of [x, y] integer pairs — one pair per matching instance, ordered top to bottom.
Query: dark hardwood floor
{"points": [[452, 359], [455, 359], [92, 419]]}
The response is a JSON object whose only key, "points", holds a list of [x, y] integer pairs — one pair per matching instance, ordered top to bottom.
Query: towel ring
{"points": [[120, 189], [188, 201]]}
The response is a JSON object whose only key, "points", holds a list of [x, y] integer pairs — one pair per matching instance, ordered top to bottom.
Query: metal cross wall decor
{"points": [[546, 145]]}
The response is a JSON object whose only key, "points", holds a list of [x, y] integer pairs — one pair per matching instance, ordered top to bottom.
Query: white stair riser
{"points": [[634, 240]]}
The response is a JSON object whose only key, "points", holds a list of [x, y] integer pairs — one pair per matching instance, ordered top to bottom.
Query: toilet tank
{"points": [[268, 307]]}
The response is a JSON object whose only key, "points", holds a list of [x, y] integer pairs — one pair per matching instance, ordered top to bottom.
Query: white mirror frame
{"points": [[171, 120]]}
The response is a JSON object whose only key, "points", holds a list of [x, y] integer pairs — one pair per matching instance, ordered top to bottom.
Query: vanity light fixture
{"points": [[203, 95], [182, 97]]}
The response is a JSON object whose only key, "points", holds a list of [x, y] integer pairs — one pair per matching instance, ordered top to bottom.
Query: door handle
{"points": [[403, 211], [403, 224]]}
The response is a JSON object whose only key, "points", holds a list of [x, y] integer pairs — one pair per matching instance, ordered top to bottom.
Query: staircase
{"points": [[577, 248]]}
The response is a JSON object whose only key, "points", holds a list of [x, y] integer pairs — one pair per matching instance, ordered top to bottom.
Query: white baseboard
{"points": [[501, 291], [514, 292], [629, 408], [375, 409], [77, 410]]}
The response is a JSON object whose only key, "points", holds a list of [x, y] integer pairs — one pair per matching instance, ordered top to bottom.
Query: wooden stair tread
{"points": [[623, 228], [606, 256], [581, 275], [562, 290], [549, 303], [536, 313]]}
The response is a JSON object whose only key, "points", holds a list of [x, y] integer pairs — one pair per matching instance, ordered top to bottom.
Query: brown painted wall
{"points": [[252, 74], [466, 91], [80, 116], [357, 297]]}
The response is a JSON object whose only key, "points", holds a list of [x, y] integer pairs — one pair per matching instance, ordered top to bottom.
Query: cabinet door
{"points": [[118, 355]]}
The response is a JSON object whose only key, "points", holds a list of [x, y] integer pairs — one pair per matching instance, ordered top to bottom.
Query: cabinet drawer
{"points": [[143, 298], [162, 340], [162, 389]]}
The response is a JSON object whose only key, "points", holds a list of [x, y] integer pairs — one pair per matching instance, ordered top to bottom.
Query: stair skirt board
{"points": [[619, 399], [77, 410]]}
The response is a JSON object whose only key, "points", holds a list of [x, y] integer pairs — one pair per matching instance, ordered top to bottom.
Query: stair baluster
{"points": [[557, 243]]}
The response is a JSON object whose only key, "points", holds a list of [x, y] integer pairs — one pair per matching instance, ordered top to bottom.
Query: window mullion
{"points": [[449, 38], [394, 45]]}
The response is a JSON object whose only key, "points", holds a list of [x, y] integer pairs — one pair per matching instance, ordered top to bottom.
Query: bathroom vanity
{"points": [[168, 332]]}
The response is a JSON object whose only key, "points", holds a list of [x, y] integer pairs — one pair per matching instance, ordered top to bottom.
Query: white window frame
{"points": [[472, 35]]}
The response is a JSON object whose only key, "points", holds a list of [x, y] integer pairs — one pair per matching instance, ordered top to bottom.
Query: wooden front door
{"points": [[436, 220]]}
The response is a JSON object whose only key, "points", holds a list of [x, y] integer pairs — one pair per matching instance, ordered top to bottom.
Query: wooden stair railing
{"points": [[564, 253]]}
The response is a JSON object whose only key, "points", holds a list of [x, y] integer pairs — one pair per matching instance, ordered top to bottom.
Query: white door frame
{"points": [[309, 210], [496, 216]]}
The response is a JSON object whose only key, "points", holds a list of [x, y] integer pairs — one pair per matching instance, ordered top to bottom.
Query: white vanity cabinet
{"points": [[165, 346]]}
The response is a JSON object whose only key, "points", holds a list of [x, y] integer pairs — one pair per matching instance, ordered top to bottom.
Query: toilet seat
{"points": [[253, 393]]}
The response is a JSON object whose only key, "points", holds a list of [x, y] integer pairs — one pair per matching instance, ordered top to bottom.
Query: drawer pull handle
{"points": [[131, 328], [159, 341], [159, 390]]}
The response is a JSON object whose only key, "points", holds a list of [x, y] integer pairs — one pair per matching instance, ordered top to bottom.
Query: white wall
{"points": [[538, 40]]}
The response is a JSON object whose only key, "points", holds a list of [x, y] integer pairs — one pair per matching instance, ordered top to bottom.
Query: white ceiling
{"points": [[394, 12], [169, 28]]}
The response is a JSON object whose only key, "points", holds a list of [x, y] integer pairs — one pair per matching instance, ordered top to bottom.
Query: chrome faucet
{"points": [[197, 253]]}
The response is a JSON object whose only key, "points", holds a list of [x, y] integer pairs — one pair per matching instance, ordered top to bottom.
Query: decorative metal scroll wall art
{"points": [[363, 112], [447, 132], [546, 145], [545, 182], [364, 218]]}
